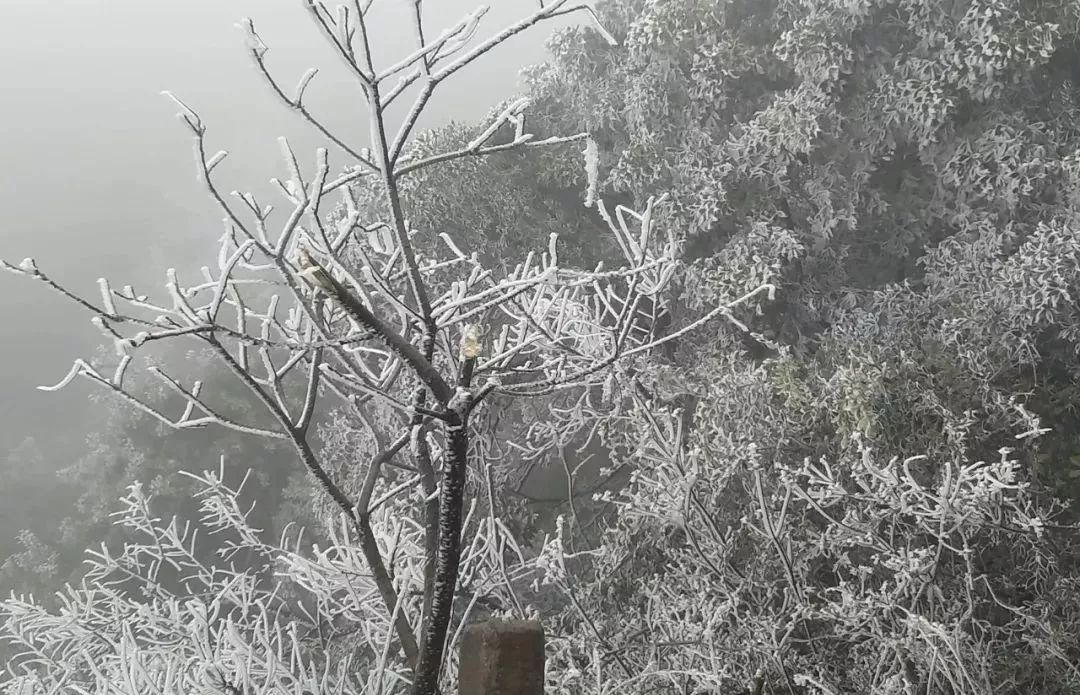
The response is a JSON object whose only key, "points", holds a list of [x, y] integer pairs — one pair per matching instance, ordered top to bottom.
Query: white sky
{"points": [[98, 177]]}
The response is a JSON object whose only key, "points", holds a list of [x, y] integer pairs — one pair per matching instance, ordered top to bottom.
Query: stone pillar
{"points": [[502, 657]]}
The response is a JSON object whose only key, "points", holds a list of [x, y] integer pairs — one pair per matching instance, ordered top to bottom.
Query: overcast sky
{"points": [[99, 177]]}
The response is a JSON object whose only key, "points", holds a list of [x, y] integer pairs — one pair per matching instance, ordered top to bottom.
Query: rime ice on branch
{"points": [[343, 303]]}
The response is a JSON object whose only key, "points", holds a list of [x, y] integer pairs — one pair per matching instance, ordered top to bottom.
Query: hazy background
{"points": [[99, 178]]}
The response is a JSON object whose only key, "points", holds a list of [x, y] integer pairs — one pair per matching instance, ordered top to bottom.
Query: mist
{"points": [[100, 177]]}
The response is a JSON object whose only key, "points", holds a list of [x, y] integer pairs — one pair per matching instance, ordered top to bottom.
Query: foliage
{"points": [[352, 313], [130, 446], [863, 483], [863, 498], [292, 616]]}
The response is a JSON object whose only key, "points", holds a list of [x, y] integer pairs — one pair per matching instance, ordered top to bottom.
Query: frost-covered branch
{"points": [[412, 341]]}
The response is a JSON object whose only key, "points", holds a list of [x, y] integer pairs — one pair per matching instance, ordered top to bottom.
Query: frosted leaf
{"points": [[592, 170], [381, 240], [28, 265], [609, 387], [234, 637], [213, 678]]}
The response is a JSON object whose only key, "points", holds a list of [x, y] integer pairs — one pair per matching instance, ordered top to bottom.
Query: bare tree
{"points": [[346, 304]]}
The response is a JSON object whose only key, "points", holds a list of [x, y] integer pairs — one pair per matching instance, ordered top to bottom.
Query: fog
{"points": [[99, 178]]}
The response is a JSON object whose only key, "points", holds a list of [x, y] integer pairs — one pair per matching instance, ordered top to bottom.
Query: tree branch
{"points": [[393, 340], [368, 545]]}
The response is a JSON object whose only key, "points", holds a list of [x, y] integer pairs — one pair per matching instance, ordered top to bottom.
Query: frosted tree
{"points": [[346, 305], [867, 505]]}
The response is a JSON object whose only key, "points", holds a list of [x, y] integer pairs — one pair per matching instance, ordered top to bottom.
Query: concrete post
{"points": [[502, 657]]}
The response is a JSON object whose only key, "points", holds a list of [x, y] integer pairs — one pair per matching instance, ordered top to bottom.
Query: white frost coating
{"points": [[600, 29], [305, 80], [512, 110], [188, 111], [215, 160], [592, 170], [294, 185], [646, 231], [382, 240], [450, 243], [223, 250], [552, 252], [28, 265], [106, 297], [179, 303], [292, 322], [76, 369], [118, 375]]}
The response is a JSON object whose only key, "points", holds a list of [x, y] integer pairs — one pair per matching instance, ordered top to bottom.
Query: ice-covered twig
{"points": [[457, 35], [297, 103], [523, 141], [29, 268], [225, 278], [564, 380]]}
